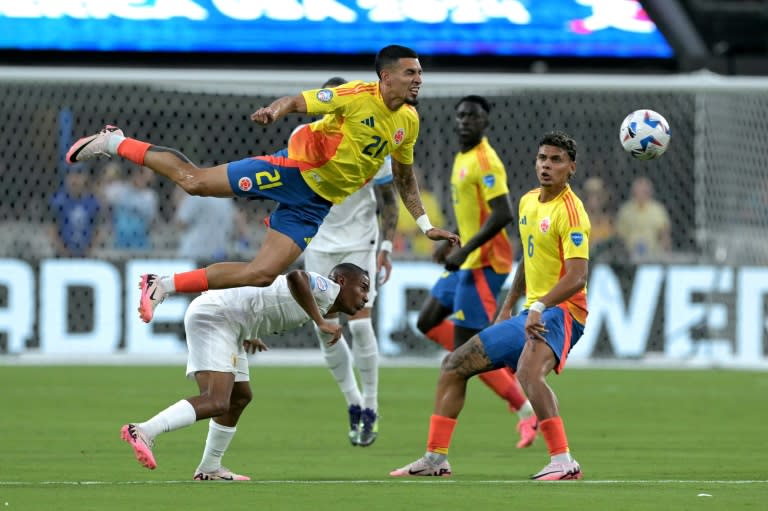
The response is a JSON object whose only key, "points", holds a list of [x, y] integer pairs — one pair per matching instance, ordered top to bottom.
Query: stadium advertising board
{"points": [[528, 28], [704, 312]]}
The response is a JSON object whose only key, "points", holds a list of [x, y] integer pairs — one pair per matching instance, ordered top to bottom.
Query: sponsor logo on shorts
{"points": [[324, 95], [399, 136], [245, 183], [545, 224], [577, 238], [322, 284]]}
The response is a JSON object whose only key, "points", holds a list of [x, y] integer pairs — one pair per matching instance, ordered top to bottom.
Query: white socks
{"points": [[114, 141], [169, 285], [366, 356], [339, 360], [366, 360], [526, 410], [182, 414], [176, 416], [216, 445], [435, 458]]}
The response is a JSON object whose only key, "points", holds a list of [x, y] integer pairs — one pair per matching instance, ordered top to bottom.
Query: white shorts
{"points": [[323, 262], [214, 343]]}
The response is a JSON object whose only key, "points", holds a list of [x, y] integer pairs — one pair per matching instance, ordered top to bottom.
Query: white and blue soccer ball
{"points": [[645, 134]]}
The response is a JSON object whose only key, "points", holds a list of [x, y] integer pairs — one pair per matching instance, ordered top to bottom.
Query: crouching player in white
{"points": [[221, 326]]}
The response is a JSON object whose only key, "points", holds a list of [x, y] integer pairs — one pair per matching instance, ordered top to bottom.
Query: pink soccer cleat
{"points": [[92, 146], [152, 295], [527, 429], [142, 446], [423, 467], [559, 472], [220, 474]]}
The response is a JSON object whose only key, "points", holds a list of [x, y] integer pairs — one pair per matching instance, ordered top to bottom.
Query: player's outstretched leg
{"points": [[93, 146], [141, 444]]}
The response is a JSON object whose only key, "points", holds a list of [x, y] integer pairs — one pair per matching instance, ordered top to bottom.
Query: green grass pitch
{"points": [[646, 440]]}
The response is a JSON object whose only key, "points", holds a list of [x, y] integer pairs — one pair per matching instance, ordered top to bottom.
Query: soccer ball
{"points": [[645, 134]]}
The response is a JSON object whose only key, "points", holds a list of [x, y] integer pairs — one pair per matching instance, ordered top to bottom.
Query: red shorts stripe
{"points": [[484, 291], [567, 335]]}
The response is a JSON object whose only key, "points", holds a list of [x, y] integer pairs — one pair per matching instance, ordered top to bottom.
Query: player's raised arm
{"points": [[280, 108], [405, 180], [387, 201], [298, 284]]}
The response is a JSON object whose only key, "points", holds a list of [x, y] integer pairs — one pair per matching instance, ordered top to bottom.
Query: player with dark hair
{"points": [[325, 162], [554, 231], [350, 233], [463, 301], [221, 327]]}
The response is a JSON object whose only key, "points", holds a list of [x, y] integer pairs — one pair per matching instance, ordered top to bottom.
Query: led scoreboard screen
{"points": [[521, 28]]}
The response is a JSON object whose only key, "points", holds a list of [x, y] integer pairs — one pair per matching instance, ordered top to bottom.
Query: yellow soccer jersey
{"points": [[341, 152], [479, 176], [550, 233]]}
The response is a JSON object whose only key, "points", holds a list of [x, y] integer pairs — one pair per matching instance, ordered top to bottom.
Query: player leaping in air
{"points": [[325, 162]]}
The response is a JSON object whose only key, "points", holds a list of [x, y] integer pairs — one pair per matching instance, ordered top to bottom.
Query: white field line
{"points": [[395, 481]]}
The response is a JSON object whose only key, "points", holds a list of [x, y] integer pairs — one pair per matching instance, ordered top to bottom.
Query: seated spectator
{"points": [[133, 205], [75, 212], [643, 224], [209, 226], [604, 245]]}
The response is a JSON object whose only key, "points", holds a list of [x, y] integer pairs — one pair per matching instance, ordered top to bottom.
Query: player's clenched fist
{"points": [[264, 115]]}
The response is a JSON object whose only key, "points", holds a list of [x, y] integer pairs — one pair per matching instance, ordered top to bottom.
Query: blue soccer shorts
{"points": [[300, 210], [471, 295], [504, 342]]}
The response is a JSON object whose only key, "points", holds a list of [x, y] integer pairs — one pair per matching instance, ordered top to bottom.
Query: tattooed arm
{"points": [[405, 180], [387, 201]]}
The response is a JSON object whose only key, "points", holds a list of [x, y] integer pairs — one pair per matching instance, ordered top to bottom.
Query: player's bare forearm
{"points": [[280, 108], [405, 181], [408, 188], [389, 211], [501, 215], [574, 279], [298, 284], [516, 290]]}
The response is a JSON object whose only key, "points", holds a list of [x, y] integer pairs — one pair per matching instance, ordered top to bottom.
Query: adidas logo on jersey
{"points": [[368, 122], [523, 221]]}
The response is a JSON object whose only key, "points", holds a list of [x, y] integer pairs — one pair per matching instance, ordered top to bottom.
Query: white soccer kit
{"points": [[350, 232], [217, 322]]}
